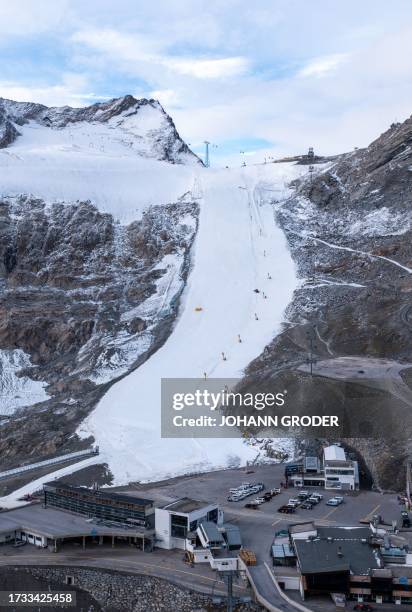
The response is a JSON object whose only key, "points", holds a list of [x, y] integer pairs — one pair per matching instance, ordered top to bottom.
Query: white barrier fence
{"points": [[61, 459]]}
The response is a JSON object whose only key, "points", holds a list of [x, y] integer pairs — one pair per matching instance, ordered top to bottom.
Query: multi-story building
{"points": [[334, 472], [100, 504], [176, 519]]}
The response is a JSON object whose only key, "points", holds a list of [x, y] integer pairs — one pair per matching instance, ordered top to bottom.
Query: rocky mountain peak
{"points": [[141, 120]]}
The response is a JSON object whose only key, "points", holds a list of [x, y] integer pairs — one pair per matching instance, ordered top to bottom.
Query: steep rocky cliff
{"points": [[349, 228]]}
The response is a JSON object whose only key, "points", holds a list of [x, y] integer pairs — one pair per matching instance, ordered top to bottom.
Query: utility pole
{"points": [[207, 162], [311, 170], [230, 592]]}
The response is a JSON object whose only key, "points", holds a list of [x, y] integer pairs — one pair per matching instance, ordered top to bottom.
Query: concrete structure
{"points": [[335, 472], [100, 504], [176, 519], [49, 527], [197, 527]]}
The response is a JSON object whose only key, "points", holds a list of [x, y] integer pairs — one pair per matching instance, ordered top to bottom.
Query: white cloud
{"points": [[23, 18], [138, 49], [322, 66], [207, 68], [71, 92], [166, 97]]}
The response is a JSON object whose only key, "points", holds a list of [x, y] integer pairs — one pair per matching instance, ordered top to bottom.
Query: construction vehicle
{"points": [[248, 556]]}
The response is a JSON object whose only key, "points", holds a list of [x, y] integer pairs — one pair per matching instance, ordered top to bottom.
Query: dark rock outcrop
{"points": [[74, 285]]}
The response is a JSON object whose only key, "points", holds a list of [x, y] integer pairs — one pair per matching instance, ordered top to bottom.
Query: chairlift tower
{"points": [[207, 161], [311, 171], [232, 601]]}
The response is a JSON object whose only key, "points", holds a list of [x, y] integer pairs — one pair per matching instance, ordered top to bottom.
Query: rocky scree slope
{"points": [[350, 231]]}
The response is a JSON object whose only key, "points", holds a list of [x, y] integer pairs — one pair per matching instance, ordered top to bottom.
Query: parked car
{"points": [[275, 491], [303, 494], [318, 495], [340, 498], [260, 500], [313, 500], [294, 502], [333, 502], [307, 505], [252, 506], [286, 509], [406, 521], [364, 607]]}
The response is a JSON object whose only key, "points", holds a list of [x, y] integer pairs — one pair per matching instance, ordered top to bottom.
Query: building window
{"points": [[213, 515], [178, 526]]}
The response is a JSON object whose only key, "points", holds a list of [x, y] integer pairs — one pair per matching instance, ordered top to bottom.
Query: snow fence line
{"points": [[290, 601]]}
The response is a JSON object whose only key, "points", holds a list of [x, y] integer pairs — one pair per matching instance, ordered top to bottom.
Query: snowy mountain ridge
{"points": [[145, 126]]}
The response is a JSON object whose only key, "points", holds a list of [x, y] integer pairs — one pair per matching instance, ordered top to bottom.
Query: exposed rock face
{"points": [[8, 132], [350, 231], [85, 295], [87, 299]]}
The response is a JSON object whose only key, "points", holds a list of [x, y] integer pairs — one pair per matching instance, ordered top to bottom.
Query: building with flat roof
{"points": [[334, 472], [100, 504], [176, 519], [51, 527], [197, 527]]}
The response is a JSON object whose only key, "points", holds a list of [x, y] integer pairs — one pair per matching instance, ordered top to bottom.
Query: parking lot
{"points": [[259, 526]]}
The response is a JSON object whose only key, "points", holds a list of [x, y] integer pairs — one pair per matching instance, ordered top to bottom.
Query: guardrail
{"points": [[61, 459]]}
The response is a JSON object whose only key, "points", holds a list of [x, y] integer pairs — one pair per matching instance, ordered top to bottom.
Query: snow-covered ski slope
{"points": [[238, 249]]}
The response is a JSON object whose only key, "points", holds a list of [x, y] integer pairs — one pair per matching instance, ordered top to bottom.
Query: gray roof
{"points": [[185, 505], [53, 523], [302, 527], [211, 531], [344, 533], [233, 536], [281, 551], [321, 556]]}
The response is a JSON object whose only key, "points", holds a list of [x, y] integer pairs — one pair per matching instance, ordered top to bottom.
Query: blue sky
{"points": [[263, 77]]}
